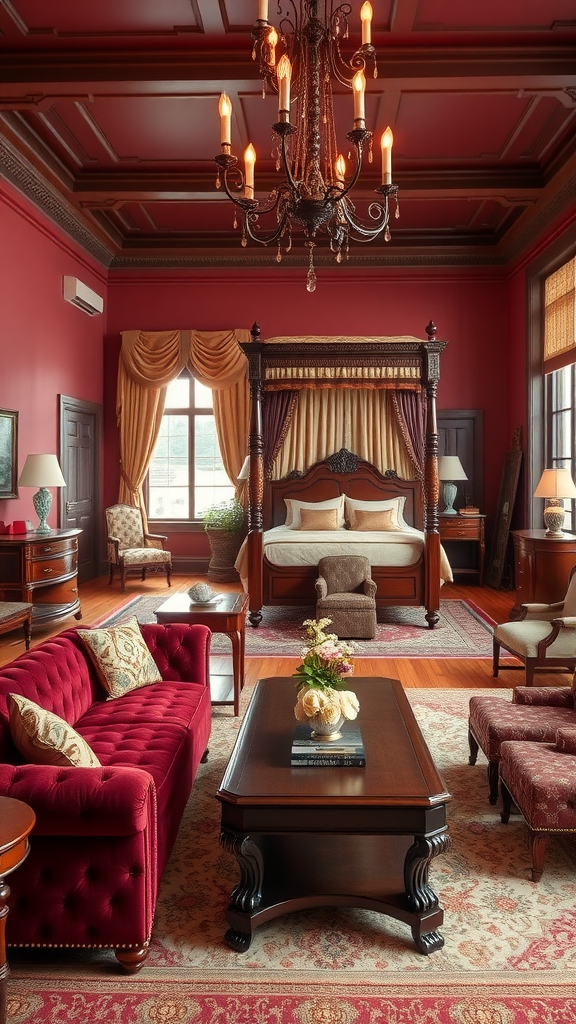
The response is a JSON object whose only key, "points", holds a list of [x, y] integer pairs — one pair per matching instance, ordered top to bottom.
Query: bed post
{"points": [[430, 377], [256, 481]]}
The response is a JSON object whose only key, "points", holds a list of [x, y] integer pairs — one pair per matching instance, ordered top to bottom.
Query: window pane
{"points": [[178, 394], [202, 396], [168, 475], [211, 484]]}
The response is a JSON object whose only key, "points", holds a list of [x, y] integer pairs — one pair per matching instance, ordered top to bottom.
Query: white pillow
{"points": [[377, 506], [293, 507]]}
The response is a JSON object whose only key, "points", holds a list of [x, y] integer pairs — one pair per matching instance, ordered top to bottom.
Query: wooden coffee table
{"points": [[227, 616], [356, 837]]}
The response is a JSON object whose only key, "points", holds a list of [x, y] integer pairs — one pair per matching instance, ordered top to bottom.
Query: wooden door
{"points": [[460, 432], [80, 502]]}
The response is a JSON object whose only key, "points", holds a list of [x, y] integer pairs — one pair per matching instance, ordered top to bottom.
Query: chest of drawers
{"points": [[42, 571]]}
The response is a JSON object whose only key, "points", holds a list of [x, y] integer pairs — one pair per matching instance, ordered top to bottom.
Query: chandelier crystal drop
{"points": [[299, 61]]}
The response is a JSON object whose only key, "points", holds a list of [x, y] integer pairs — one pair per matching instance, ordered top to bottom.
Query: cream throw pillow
{"points": [[397, 504], [294, 507], [319, 519], [384, 520], [122, 659], [44, 738]]}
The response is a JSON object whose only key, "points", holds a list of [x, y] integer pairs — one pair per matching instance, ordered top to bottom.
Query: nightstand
{"points": [[467, 529], [542, 567]]}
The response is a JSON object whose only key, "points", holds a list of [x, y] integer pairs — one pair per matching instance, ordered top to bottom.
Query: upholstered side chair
{"points": [[131, 551], [346, 594], [544, 636]]}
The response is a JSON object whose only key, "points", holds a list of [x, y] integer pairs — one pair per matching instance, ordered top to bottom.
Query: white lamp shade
{"points": [[450, 468], [41, 471], [244, 473], [555, 483]]}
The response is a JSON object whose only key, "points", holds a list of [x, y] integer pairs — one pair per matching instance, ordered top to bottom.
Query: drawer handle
{"points": [[47, 549], [48, 570], [74, 590]]}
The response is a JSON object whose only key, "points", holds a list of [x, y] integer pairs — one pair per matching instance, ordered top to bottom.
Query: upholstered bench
{"points": [[14, 614], [535, 713], [540, 778]]}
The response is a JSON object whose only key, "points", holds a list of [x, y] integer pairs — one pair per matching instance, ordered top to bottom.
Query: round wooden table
{"points": [[16, 822]]}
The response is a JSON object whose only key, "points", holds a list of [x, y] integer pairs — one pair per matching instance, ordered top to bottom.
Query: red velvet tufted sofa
{"points": [[103, 835]]}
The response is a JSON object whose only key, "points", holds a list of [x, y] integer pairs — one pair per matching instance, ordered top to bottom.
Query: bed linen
{"points": [[285, 546]]}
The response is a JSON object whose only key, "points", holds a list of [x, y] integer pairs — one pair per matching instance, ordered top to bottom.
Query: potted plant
{"points": [[225, 526]]}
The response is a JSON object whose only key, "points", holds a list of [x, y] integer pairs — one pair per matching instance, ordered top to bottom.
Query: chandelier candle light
{"points": [[315, 190]]}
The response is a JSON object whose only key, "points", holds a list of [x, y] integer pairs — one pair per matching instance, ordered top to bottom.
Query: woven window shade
{"points": [[559, 317]]}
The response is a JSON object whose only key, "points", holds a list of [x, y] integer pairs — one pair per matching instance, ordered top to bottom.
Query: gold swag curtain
{"points": [[149, 360], [361, 420]]}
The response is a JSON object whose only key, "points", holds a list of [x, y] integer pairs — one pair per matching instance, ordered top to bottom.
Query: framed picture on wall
{"points": [[8, 453]]}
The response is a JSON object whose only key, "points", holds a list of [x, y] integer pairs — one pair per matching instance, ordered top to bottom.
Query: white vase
{"points": [[325, 730]]}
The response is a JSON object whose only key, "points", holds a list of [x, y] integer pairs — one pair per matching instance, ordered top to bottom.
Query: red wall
{"points": [[469, 309], [47, 347]]}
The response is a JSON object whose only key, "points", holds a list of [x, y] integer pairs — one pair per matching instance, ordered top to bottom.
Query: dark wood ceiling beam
{"points": [[536, 67], [524, 185]]}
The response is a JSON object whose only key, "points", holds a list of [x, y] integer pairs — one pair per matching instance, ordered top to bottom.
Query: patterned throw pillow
{"points": [[294, 507], [319, 519], [385, 520], [121, 657], [44, 738]]}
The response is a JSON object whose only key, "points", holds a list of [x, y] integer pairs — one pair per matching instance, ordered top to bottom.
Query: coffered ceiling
{"points": [[109, 122]]}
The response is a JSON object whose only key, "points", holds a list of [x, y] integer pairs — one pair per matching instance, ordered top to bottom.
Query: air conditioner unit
{"points": [[82, 296]]}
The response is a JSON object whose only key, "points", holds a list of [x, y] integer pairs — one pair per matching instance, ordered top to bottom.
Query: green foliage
{"points": [[228, 516]]}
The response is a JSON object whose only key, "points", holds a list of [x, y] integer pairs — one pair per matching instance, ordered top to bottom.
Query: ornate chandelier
{"points": [[315, 192]]}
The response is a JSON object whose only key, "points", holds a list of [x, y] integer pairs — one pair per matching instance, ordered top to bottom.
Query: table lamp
{"points": [[450, 469], [42, 471], [244, 473], [555, 484]]}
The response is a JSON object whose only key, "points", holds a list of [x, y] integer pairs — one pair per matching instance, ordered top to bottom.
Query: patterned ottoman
{"points": [[493, 720], [540, 778]]}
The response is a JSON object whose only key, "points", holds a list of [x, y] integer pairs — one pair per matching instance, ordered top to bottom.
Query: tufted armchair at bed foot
{"points": [[130, 550], [346, 594]]}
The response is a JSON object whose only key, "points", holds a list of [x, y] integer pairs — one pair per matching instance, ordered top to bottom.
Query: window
{"points": [[560, 383], [560, 405], [186, 474]]}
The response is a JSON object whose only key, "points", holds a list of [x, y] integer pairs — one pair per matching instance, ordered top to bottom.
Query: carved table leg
{"points": [[420, 895], [246, 896], [4, 969]]}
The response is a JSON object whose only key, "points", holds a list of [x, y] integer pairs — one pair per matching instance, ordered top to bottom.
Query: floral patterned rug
{"points": [[464, 631], [510, 945]]}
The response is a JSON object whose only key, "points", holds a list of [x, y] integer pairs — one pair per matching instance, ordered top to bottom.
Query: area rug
{"points": [[464, 631], [510, 945]]}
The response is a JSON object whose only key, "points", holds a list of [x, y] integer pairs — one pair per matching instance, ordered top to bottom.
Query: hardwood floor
{"points": [[98, 599]]}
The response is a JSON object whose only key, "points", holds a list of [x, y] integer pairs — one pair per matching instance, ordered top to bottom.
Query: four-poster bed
{"points": [[277, 564]]}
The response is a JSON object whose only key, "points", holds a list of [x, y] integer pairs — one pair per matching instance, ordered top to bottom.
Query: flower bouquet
{"points": [[323, 700]]}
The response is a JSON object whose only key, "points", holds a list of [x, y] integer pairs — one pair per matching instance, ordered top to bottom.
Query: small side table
{"points": [[471, 530], [542, 567], [227, 616], [16, 822]]}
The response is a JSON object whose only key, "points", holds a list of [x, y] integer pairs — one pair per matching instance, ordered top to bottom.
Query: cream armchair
{"points": [[130, 550], [544, 636]]}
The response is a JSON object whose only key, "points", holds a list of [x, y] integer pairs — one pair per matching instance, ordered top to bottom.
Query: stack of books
{"points": [[470, 510], [314, 752]]}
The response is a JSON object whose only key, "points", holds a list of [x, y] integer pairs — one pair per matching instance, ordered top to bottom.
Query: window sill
{"points": [[175, 526]]}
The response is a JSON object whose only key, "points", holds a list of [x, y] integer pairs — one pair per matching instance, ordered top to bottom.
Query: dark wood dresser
{"points": [[542, 566], [42, 570]]}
